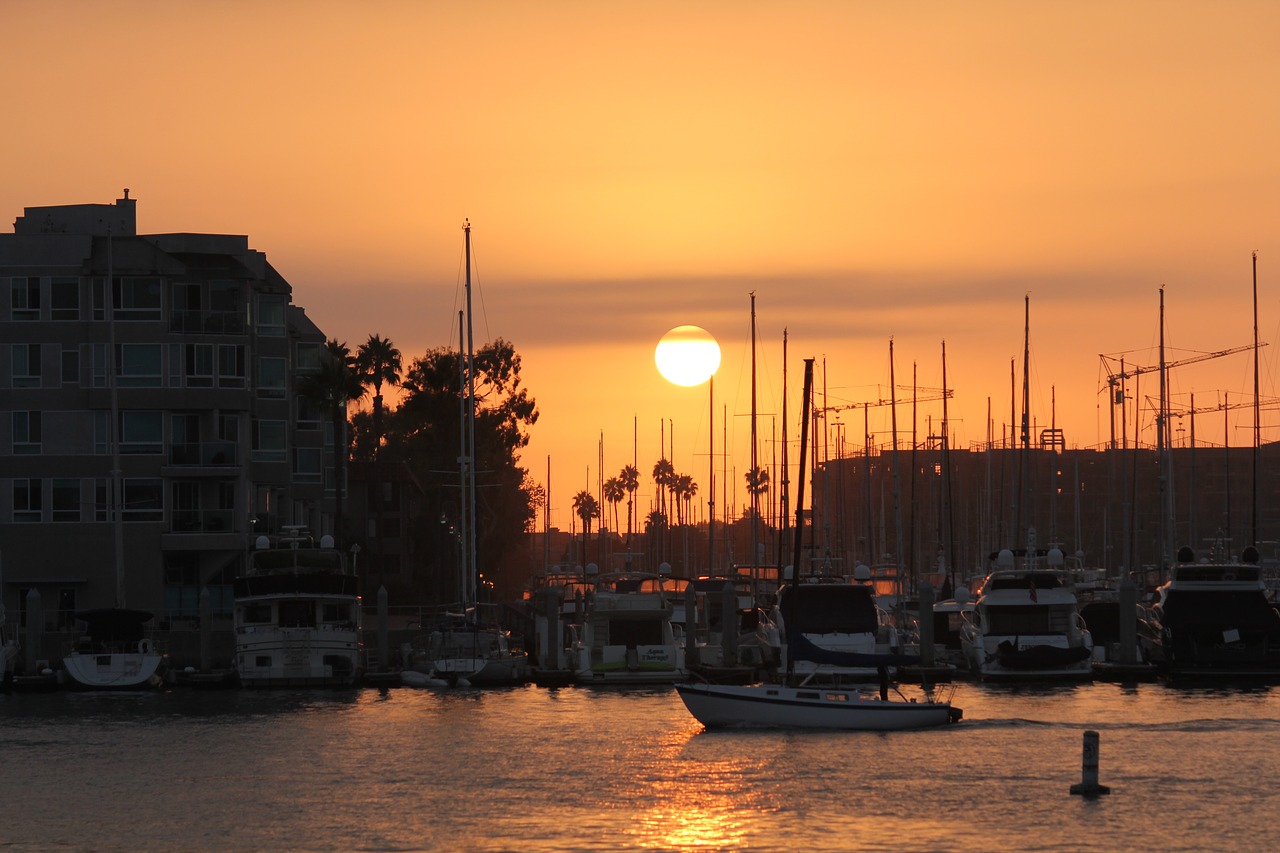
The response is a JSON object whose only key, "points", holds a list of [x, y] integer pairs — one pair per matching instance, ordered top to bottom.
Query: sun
{"points": [[687, 355]]}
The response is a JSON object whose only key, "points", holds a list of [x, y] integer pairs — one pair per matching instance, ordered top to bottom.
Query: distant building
{"points": [[214, 444]]}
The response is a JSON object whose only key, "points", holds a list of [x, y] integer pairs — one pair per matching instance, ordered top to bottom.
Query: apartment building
{"points": [[150, 427]]}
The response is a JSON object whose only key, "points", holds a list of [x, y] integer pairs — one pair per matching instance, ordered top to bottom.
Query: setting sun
{"points": [[687, 355]]}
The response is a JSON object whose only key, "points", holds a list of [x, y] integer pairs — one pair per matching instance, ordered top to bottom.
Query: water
{"points": [[532, 769]]}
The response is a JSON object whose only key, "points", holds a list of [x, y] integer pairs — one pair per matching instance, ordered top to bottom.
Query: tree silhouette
{"points": [[377, 363], [333, 385]]}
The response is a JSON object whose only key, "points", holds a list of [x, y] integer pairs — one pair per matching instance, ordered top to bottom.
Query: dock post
{"points": [[1128, 620], [729, 624], [926, 625], [206, 629], [35, 630], [384, 635], [1089, 786]]}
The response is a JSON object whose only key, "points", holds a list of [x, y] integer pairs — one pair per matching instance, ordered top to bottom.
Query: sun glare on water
{"points": [[687, 355]]}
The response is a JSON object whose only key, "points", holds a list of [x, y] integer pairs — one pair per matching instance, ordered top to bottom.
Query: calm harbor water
{"points": [[533, 769]]}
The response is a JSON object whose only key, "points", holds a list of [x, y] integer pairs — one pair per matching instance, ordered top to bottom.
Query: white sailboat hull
{"points": [[113, 670], [776, 706]]}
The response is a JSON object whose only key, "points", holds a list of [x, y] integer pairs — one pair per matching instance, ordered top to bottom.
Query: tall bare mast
{"points": [[1257, 415], [470, 451]]}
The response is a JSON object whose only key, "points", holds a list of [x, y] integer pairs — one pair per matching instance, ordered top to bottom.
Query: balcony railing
{"points": [[207, 454], [202, 521]]}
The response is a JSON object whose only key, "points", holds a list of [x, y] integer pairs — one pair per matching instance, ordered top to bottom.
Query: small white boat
{"points": [[114, 652], [449, 673], [810, 707]]}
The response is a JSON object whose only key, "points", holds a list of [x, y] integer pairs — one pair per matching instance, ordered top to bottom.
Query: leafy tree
{"points": [[378, 362], [333, 385], [425, 432]]}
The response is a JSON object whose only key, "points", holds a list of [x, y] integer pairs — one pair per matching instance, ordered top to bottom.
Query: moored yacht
{"points": [[297, 615], [837, 616], [1214, 619], [1025, 624], [626, 637]]}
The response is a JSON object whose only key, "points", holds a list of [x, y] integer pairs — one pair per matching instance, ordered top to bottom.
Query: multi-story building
{"points": [[150, 425]]}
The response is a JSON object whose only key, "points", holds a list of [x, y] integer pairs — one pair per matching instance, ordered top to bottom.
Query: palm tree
{"points": [[377, 362], [333, 385], [664, 474], [630, 478], [757, 483], [684, 489], [613, 493], [586, 507]]}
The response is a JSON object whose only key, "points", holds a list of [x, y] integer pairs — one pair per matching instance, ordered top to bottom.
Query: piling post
{"points": [[1128, 620], [729, 624], [926, 625], [690, 627], [35, 630], [206, 630], [384, 634], [1089, 786]]}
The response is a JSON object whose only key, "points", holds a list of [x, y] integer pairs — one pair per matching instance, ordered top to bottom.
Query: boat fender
{"points": [[144, 647]]}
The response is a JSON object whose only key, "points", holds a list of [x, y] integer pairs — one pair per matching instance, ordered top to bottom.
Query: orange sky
{"points": [[871, 171]]}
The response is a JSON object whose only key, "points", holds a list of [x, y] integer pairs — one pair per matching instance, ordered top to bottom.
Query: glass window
{"points": [[138, 296], [25, 297], [64, 298], [271, 316], [308, 357], [26, 365], [99, 365], [139, 365], [199, 365], [71, 366], [231, 366], [271, 376], [308, 414], [101, 432], [141, 432], [26, 433], [269, 441], [307, 464], [27, 495], [143, 499], [66, 500], [101, 500]]}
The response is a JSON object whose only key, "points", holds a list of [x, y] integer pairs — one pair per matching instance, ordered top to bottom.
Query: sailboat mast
{"points": [[1257, 415], [471, 435], [804, 443], [1162, 444], [755, 465], [897, 479], [117, 492], [464, 524], [782, 540], [948, 555]]}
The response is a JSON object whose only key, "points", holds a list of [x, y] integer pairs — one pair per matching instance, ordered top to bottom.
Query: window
{"points": [[25, 297], [138, 297], [64, 298], [271, 316], [99, 353], [308, 357], [26, 365], [139, 365], [199, 365], [71, 366], [231, 366], [271, 376], [308, 414], [141, 432], [26, 433], [101, 433], [269, 441], [307, 465], [27, 496], [101, 499], [143, 499], [66, 500]]}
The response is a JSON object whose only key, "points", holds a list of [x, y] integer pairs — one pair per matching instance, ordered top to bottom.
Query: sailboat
{"points": [[461, 644], [113, 651], [788, 703]]}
